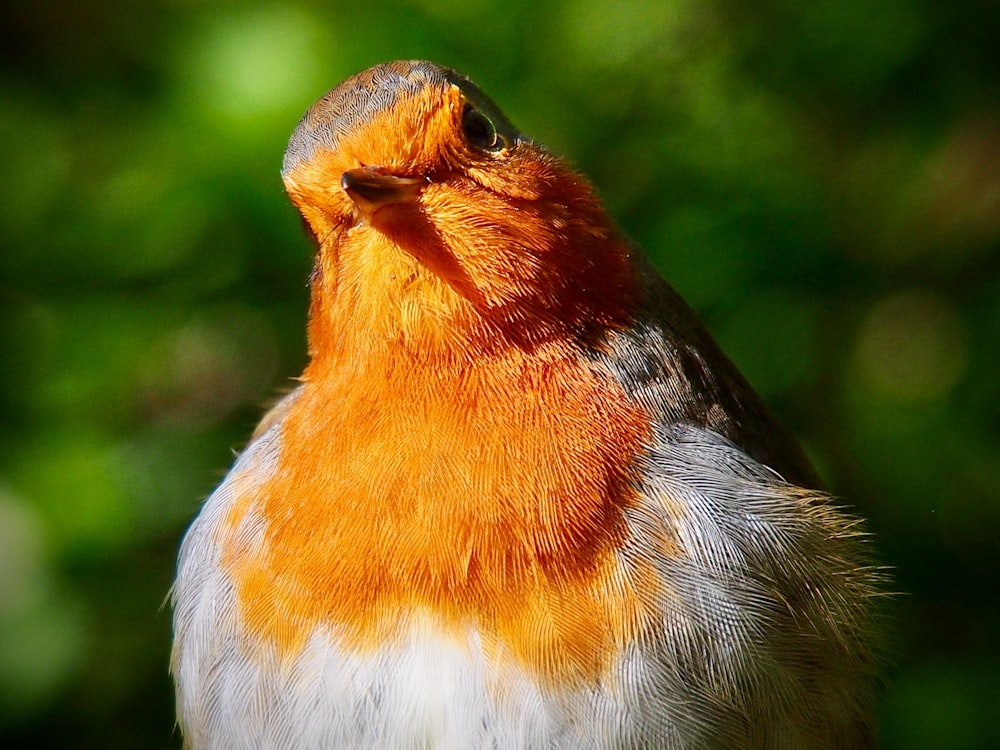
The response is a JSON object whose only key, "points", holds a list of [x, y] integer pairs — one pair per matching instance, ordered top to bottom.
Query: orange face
{"points": [[486, 246]]}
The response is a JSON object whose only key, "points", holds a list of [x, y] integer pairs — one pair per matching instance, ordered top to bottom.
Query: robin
{"points": [[520, 497]]}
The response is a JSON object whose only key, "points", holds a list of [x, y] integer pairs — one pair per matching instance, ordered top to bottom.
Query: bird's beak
{"points": [[372, 188]]}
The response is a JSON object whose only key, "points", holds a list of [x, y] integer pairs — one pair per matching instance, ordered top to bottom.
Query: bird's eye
{"points": [[480, 130]]}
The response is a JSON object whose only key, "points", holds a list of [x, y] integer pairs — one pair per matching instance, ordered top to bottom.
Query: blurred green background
{"points": [[820, 179]]}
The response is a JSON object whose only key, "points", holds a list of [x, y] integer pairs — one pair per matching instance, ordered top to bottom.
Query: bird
{"points": [[519, 497]]}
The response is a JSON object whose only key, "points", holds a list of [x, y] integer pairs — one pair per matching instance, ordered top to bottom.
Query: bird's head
{"points": [[437, 219]]}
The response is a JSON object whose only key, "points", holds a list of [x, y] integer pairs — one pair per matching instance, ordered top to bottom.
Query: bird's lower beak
{"points": [[372, 188]]}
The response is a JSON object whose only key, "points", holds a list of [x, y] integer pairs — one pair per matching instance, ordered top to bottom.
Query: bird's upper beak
{"points": [[372, 188]]}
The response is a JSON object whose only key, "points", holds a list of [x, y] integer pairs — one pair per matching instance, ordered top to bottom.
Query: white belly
{"points": [[732, 665], [427, 692]]}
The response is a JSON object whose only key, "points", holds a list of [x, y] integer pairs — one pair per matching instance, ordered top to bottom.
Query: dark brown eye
{"points": [[480, 131]]}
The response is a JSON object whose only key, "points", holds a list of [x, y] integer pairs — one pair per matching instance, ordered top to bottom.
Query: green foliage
{"points": [[821, 180]]}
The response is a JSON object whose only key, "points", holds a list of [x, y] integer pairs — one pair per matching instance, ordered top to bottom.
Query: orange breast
{"points": [[487, 495]]}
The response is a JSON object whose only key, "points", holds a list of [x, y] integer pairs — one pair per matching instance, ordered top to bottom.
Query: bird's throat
{"points": [[371, 298]]}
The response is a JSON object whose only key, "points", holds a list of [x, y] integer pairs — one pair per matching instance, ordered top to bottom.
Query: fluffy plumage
{"points": [[521, 498]]}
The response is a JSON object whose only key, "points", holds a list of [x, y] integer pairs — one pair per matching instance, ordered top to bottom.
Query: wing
{"points": [[670, 364], [767, 607], [766, 621]]}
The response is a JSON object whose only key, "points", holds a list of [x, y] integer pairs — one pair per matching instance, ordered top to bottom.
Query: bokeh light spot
{"points": [[626, 30], [252, 63], [912, 346], [22, 555]]}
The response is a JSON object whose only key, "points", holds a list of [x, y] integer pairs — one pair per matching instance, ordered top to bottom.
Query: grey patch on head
{"points": [[363, 96], [355, 101]]}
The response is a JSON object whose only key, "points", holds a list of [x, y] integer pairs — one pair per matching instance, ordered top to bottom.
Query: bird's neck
{"points": [[370, 299]]}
